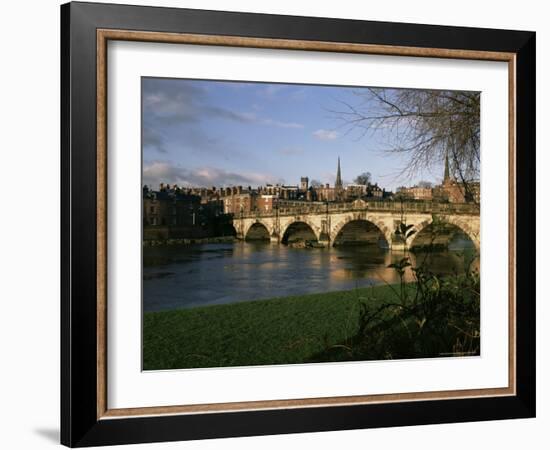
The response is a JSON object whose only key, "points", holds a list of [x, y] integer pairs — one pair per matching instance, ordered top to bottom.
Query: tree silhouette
{"points": [[425, 125], [364, 179]]}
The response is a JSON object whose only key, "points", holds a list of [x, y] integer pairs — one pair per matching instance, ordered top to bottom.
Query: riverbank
{"points": [[188, 241], [274, 331]]}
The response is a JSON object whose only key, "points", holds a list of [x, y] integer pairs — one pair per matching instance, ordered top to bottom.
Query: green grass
{"points": [[274, 331]]}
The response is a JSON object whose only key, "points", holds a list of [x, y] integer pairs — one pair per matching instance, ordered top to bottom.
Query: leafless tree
{"points": [[425, 125], [364, 178], [315, 183]]}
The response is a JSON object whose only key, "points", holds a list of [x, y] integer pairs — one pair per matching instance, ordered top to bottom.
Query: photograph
{"points": [[278, 223], [301, 224]]}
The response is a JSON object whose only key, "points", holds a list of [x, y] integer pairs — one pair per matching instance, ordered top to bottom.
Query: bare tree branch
{"points": [[426, 125]]}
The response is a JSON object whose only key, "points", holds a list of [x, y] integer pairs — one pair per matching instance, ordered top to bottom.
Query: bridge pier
{"points": [[274, 239], [324, 239], [398, 246]]}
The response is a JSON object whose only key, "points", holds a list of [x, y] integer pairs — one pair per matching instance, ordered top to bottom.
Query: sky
{"points": [[219, 133]]}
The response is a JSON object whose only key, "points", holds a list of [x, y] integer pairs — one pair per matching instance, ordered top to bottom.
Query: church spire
{"points": [[446, 175], [338, 184]]}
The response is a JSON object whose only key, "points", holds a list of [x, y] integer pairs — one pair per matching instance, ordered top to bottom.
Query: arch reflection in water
{"points": [[193, 275]]}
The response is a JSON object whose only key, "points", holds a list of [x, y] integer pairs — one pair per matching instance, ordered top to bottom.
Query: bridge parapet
{"points": [[376, 206], [325, 225]]}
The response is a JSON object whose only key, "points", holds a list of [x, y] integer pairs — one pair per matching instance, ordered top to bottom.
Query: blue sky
{"points": [[214, 133]]}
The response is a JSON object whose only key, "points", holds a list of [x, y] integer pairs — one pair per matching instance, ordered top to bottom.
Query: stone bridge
{"points": [[331, 223]]}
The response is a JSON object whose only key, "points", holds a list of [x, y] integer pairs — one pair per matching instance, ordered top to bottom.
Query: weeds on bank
{"points": [[431, 316]]}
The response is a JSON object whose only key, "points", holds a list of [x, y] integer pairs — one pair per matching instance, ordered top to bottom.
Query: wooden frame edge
{"points": [[103, 36], [290, 44], [101, 191], [512, 198], [119, 413]]}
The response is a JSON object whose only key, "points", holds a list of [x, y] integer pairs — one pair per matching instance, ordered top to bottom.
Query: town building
{"points": [[281, 191], [354, 191], [375, 191], [449, 191], [453, 191], [416, 193], [237, 201], [266, 203], [169, 207], [199, 211], [173, 212]]}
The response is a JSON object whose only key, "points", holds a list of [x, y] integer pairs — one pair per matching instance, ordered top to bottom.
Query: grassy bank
{"points": [[285, 330]]}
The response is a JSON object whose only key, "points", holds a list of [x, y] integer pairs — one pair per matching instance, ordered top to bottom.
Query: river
{"points": [[198, 275]]}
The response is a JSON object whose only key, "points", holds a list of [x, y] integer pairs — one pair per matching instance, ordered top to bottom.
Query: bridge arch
{"points": [[461, 223], [373, 224], [467, 227], [299, 230], [257, 231]]}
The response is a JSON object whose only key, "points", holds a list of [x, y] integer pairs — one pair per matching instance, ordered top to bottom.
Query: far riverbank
{"points": [[189, 241]]}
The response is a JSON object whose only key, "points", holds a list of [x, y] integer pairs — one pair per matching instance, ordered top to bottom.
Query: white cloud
{"points": [[252, 117], [279, 124], [325, 135], [156, 172]]}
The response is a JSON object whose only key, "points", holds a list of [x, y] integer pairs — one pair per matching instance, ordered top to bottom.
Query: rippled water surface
{"points": [[195, 275]]}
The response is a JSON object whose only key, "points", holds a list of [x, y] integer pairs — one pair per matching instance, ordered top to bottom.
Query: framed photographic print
{"points": [[277, 224]]}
